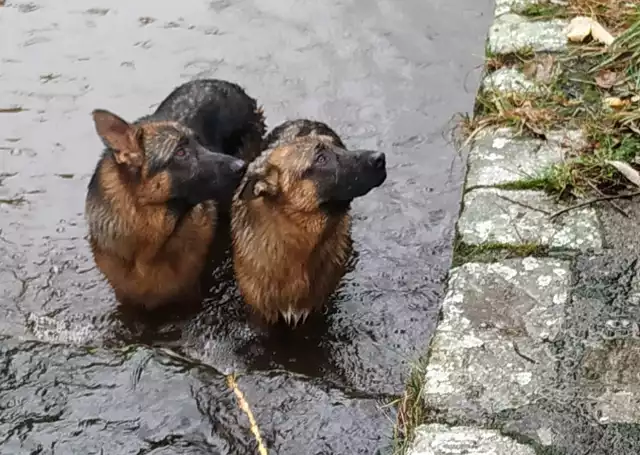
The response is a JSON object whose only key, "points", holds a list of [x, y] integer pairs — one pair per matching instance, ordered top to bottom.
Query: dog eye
{"points": [[180, 152], [321, 158]]}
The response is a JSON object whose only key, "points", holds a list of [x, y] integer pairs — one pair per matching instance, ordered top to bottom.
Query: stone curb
{"points": [[519, 218], [494, 349], [443, 440]]}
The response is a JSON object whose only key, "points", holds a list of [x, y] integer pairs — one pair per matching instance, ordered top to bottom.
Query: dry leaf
{"points": [[581, 27], [599, 33], [545, 68], [529, 69], [540, 69], [606, 79], [614, 101], [630, 173]]}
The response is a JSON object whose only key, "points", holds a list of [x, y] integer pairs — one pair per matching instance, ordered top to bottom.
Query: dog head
{"points": [[167, 163], [308, 169]]}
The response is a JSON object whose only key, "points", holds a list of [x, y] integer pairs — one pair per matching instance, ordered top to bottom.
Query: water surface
{"points": [[387, 75]]}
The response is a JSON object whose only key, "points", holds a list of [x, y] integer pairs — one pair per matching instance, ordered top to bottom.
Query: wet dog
{"points": [[223, 116], [151, 204], [290, 223]]}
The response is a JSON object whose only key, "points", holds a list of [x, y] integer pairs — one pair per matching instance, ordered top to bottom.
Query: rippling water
{"points": [[386, 75]]}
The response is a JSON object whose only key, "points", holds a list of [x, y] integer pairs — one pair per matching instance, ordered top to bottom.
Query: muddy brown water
{"points": [[79, 376]]}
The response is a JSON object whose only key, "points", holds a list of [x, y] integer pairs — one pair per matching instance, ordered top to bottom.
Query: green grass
{"points": [[544, 11], [513, 59], [535, 183], [493, 252], [411, 410]]}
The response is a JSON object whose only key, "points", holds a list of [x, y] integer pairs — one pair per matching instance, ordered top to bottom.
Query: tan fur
{"points": [[289, 256], [145, 257]]}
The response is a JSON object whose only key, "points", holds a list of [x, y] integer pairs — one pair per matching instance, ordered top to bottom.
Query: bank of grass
{"points": [[591, 88]]}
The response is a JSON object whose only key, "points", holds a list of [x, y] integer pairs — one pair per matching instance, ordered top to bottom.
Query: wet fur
{"points": [[222, 114], [153, 253], [288, 261]]}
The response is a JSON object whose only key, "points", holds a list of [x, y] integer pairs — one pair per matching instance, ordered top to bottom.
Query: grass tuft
{"points": [[545, 11], [494, 252], [411, 410]]}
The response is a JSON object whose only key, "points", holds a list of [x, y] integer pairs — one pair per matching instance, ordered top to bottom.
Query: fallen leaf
{"points": [[581, 27], [599, 33], [545, 68], [529, 69], [540, 69], [606, 79], [614, 101], [630, 173]]}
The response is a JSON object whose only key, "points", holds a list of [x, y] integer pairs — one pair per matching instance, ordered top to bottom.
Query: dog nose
{"points": [[378, 160]]}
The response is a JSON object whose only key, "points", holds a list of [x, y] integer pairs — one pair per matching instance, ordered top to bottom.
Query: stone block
{"points": [[511, 33], [509, 80], [500, 159], [523, 217], [490, 352], [442, 440]]}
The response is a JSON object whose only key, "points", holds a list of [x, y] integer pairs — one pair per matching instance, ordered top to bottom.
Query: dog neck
{"points": [[123, 226], [280, 231]]}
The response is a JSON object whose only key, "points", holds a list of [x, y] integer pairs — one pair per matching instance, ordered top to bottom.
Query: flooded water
{"points": [[80, 376]]}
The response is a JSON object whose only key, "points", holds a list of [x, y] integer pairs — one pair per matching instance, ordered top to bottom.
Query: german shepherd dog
{"points": [[152, 202], [290, 223]]}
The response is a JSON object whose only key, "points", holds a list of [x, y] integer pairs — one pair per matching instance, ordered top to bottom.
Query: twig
{"points": [[593, 201], [522, 204], [613, 204], [525, 357]]}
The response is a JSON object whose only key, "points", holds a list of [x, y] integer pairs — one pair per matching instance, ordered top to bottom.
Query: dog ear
{"points": [[123, 138], [259, 184]]}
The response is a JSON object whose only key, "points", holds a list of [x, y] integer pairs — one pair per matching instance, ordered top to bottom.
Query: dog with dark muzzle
{"points": [[152, 202], [290, 223]]}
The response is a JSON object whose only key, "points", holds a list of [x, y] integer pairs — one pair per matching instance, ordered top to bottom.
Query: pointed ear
{"points": [[123, 138], [257, 185]]}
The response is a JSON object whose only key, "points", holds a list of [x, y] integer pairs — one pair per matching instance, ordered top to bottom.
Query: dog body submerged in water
{"points": [[151, 204], [290, 223]]}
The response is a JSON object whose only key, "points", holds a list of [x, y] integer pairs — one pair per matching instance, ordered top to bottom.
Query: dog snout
{"points": [[377, 160]]}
